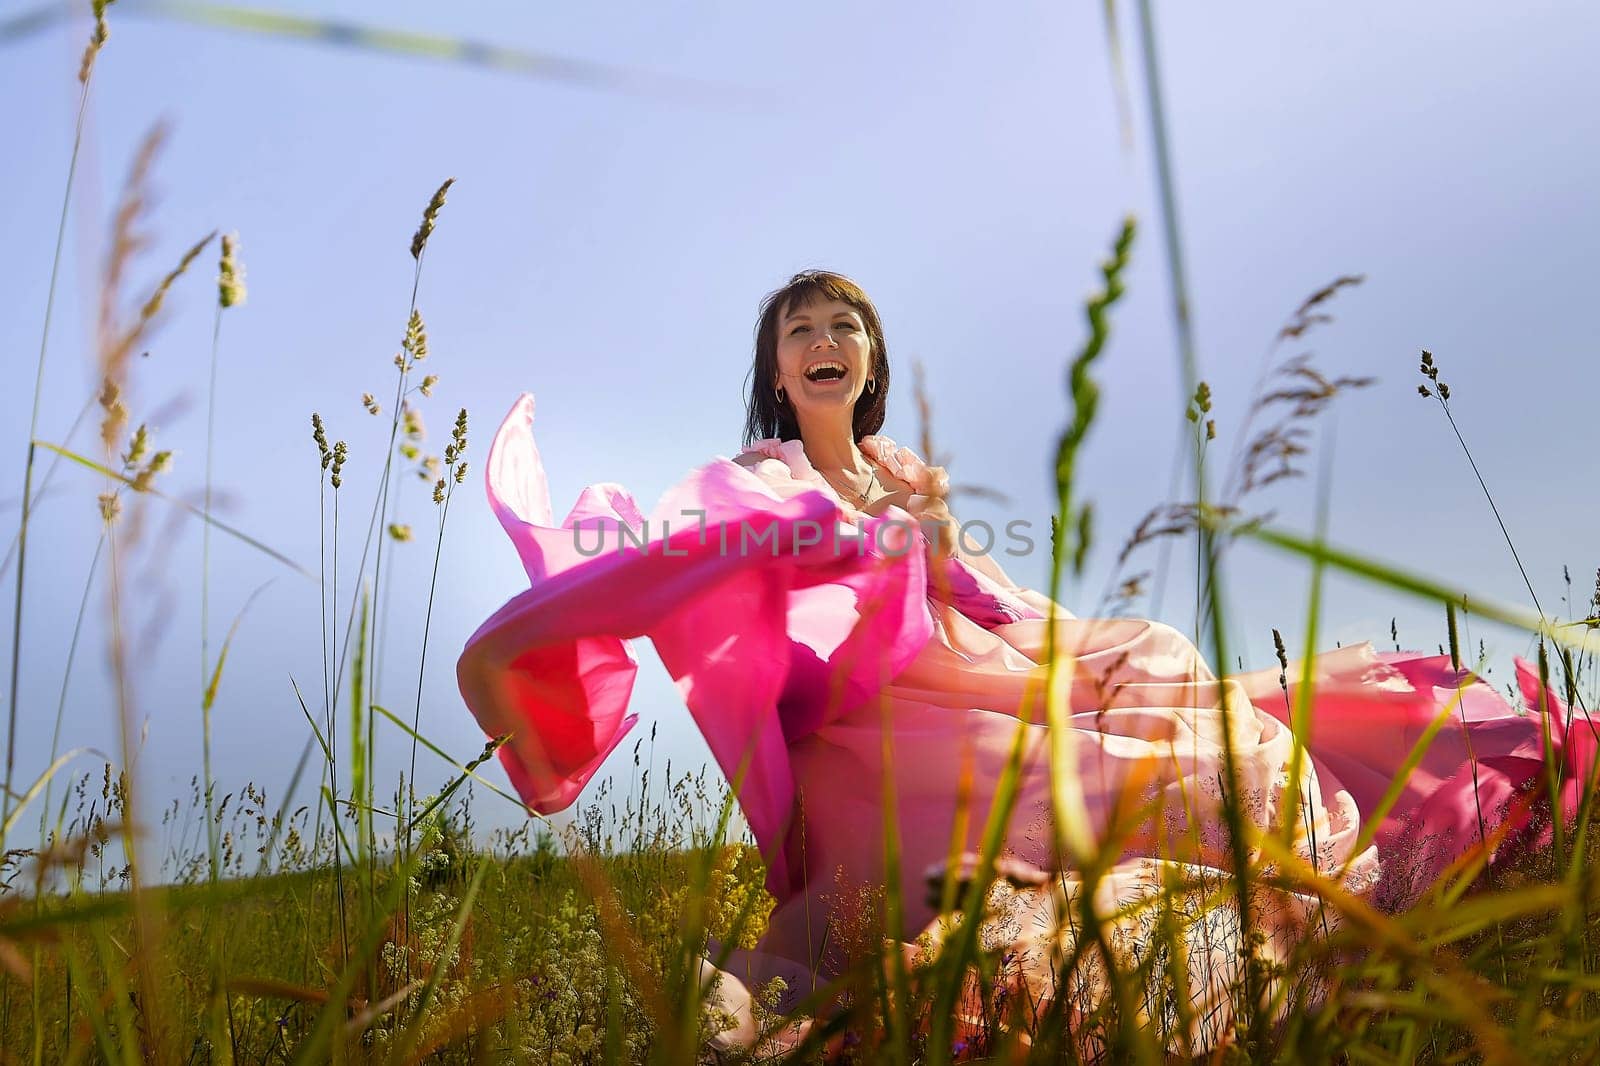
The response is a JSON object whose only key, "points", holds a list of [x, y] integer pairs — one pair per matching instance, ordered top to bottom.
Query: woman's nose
{"points": [[825, 339]]}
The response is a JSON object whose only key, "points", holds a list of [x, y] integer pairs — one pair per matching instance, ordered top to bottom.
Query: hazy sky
{"points": [[606, 248]]}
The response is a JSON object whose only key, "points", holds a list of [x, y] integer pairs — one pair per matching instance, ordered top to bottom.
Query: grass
{"points": [[246, 927]]}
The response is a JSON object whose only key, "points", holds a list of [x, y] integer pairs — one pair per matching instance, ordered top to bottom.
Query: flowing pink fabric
{"points": [[796, 656]]}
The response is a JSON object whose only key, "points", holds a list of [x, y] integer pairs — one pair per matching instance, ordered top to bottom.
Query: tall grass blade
{"points": [[107, 472], [1576, 637], [466, 769], [38, 786]]}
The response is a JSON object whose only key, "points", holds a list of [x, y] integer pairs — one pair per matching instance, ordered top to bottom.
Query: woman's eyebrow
{"points": [[846, 313]]}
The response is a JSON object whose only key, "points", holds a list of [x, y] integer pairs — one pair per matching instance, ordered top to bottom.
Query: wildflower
{"points": [[429, 216], [230, 280], [369, 403]]}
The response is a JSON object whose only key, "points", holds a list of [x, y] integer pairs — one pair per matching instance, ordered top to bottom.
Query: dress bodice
{"points": [[789, 463], [786, 469]]}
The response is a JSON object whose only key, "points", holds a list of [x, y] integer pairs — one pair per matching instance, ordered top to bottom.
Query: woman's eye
{"points": [[847, 325], [797, 329]]}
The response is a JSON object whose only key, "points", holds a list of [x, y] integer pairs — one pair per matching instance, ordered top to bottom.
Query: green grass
{"points": [[528, 946]]}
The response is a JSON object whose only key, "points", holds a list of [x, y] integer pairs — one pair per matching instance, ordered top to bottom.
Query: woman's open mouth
{"points": [[825, 372]]}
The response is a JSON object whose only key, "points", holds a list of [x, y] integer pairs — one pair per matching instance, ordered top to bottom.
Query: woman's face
{"points": [[824, 355]]}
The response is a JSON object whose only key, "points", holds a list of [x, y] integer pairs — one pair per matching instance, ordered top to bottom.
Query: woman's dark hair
{"points": [[764, 415]]}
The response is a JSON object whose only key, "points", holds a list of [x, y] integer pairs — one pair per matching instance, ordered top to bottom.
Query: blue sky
{"points": [[606, 248]]}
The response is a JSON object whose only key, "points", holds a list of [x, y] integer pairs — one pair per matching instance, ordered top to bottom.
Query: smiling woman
{"points": [[819, 318], [866, 703]]}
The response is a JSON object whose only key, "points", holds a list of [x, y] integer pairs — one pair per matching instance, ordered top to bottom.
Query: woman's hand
{"points": [[926, 503], [930, 508], [932, 516]]}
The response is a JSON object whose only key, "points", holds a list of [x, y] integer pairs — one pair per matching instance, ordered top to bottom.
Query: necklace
{"points": [[860, 498]]}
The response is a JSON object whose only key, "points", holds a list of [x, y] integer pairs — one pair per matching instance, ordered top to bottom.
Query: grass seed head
{"points": [[97, 40], [430, 215], [230, 276], [152, 306], [416, 338], [1430, 370], [426, 388], [370, 404], [116, 413], [411, 421], [320, 435], [136, 447], [340, 453], [158, 463], [461, 472], [438, 491], [110, 506], [399, 531]]}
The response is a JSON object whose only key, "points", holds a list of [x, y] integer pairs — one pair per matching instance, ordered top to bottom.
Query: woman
{"points": [[860, 615]]}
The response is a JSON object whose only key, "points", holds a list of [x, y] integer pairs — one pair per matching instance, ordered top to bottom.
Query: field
{"points": [[366, 926]]}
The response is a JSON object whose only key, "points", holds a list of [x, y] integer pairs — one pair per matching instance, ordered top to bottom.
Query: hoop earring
{"points": [[872, 384], [778, 392]]}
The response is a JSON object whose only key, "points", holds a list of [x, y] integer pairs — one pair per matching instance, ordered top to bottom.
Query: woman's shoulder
{"points": [[757, 450], [790, 455], [897, 459]]}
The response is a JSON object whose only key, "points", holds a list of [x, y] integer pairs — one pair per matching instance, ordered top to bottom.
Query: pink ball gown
{"points": [[795, 648]]}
